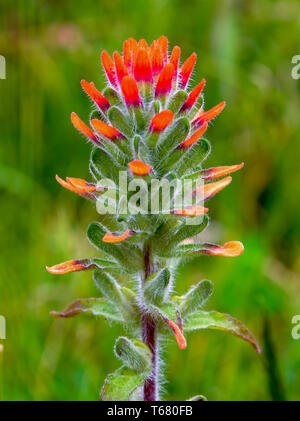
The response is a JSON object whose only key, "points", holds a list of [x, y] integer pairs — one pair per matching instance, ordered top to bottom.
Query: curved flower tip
{"points": [[174, 59], [109, 67], [121, 69], [186, 70], [165, 80], [130, 92], [95, 95], [193, 96], [209, 115], [161, 120], [83, 128], [107, 131], [193, 139], [138, 167], [216, 172], [79, 186], [209, 190], [190, 211], [111, 237], [229, 249], [70, 266], [178, 333]]}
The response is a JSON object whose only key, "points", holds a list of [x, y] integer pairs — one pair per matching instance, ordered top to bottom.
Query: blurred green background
{"points": [[244, 51]]}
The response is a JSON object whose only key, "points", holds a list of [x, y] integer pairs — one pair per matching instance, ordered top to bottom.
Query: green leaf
{"points": [[112, 96], [177, 100], [119, 121], [173, 137], [193, 157], [104, 164], [119, 252], [156, 286], [196, 297], [94, 306], [220, 321], [134, 354], [120, 385]]}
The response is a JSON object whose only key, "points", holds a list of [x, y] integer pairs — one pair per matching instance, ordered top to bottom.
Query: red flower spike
{"points": [[163, 43], [156, 59], [174, 59], [108, 66], [142, 67], [121, 69], [186, 70], [164, 83], [130, 92], [96, 96], [193, 96], [209, 115], [161, 120], [83, 128], [106, 130], [187, 143], [138, 167], [216, 172], [209, 190], [190, 211], [111, 237], [229, 249], [70, 266], [181, 341]]}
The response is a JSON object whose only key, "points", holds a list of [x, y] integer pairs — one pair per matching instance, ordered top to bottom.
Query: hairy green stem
{"points": [[149, 335]]}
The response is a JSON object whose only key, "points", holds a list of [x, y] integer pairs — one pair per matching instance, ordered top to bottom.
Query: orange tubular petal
{"points": [[143, 43], [163, 43], [127, 54], [174, 59], [156, 60], [108, 66], [142, 67], [121, 69], [186, 70], [164, 83], [130, 92], [96, 96], [193, 96], [208, 115], [161, 120], [83, 128], [106, 130], [187, 143], [138, 167], [216, 172], [82, 185], [78, 186], [209, 190], [190, 211], [111, 237], [229, 249], [70, 266], [181, 341]]}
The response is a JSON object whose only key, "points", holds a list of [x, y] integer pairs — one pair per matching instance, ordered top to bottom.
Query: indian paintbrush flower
{"points": [[148, 123]]}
